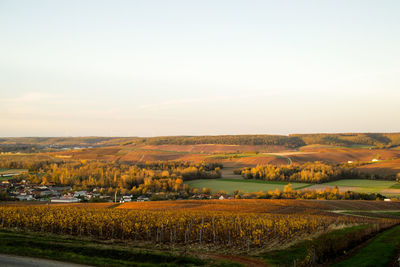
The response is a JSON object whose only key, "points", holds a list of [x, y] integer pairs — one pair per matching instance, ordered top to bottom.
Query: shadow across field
{"points": [[93, 252]]}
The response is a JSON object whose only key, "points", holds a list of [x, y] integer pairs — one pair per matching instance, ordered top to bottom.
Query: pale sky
{"points": [[149, 68]]}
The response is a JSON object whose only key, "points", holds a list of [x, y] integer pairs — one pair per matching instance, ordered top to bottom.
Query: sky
{"points": [[153, 68]]}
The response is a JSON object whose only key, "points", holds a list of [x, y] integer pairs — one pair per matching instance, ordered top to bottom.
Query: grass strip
{"points": [[252, 181], [264, 182], [328, 243], [379, 252]]}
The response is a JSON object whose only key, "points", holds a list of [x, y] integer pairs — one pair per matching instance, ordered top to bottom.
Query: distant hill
{"points": [[351, 139], [280, 140], [30, 144]]}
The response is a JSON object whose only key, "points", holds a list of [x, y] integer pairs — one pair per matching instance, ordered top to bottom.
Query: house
{"points": [[375, 160], [350, 162], [13, 172], [10, 181], [42, 187], [61, 188], [42, 192], [80, 193], [68, 195], [92, 195], [201, 196], [24, 197], [221, 197], [127, 198], [142, 199], [387, 199], [65, 200]]}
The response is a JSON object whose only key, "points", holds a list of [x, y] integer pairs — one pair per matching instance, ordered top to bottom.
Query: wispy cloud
{"points": [[30, 97], [210, 99], [172, 102]]}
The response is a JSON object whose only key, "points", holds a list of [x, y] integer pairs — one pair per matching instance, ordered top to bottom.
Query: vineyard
{"points": [[209, 224]]}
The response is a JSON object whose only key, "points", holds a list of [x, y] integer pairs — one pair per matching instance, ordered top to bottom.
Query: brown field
{"points": [[215, 148], [105, 153], [275, 155], [342, 155], [259, 160], [384, 167], [391, 191], [358, 204], [104, 205], [281, 206]]}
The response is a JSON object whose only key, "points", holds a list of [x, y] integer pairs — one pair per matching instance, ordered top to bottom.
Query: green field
{"points": [[5, 171], [236, 182], [379, 184], [248, 186], [367, 186], [395, 186]]}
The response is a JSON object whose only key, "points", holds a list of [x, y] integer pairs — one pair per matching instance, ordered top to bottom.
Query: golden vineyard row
{"points": [[176, 227]]}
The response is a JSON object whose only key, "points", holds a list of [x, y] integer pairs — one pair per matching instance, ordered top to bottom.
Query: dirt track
{"points": [[19, 261]]}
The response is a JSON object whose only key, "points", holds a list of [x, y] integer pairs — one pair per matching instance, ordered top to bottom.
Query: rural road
{"points": [[286, 154], [14, 261]]}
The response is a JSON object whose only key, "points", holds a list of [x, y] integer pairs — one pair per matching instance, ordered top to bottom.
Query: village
{"points": [[15, 189], [23, 190]]}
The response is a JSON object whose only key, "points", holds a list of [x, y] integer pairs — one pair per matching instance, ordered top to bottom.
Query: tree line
{"points": [[380, 140], [310, 172], [127, 177], [323, 194]]}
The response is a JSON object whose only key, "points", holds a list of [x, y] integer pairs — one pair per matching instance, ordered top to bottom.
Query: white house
{"points": [[80, 193], [25, 197], [126, 198], [142, 199], [65, 200]]}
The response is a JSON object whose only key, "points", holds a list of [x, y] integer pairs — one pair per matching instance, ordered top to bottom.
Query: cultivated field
{"points": [[244, 155], [390, 166], [246, 186], [387, 188], [263, 205], [240, 224], [193, 233]]}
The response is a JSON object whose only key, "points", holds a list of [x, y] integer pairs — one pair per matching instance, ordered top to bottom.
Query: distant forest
{"points": [[351, 139], [280, 140], [291, 141], [32, 144]]}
